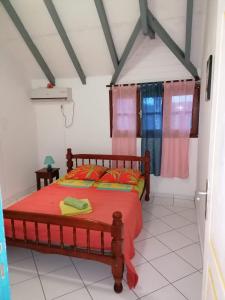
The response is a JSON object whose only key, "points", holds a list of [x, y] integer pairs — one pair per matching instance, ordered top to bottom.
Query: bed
{"points": [[106, 235]]}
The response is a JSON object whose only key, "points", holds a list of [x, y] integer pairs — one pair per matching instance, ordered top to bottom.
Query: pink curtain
{"points": [[124, 100], [177, 113]]}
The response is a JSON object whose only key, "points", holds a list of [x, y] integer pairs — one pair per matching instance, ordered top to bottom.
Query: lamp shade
{"points": [[49, 160]]}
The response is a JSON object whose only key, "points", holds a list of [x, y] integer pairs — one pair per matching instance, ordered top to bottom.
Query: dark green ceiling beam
{"points": [[189, 16], [58, 24], [106, 29], [146, 29], [164, 36], [27, 39], [127, 50]]}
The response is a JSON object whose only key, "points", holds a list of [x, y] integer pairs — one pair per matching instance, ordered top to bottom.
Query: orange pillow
{"points": [[86, 172], [127, 176]]}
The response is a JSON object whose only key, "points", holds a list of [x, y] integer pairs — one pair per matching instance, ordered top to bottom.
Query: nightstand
{"points": [[47, 176]]}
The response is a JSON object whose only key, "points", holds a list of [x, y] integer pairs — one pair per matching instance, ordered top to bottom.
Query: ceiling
{"points": [[82, 24]]}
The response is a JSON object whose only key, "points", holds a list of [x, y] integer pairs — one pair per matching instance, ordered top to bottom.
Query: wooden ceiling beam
{"points": [[189, 17], [146, 29], [107, 32], [64, 37], [27, 39], [169, 42], [127, 50]]}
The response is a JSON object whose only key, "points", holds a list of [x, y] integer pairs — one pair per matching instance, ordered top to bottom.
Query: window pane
{"points": [[181, 112], [124, 114], [152, 114], [123, 123]]}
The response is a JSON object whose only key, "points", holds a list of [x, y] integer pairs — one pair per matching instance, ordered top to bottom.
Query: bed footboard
{"points": [[114, 257]]}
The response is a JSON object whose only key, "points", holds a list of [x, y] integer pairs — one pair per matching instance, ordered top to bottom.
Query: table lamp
{"points": [[49, 161]]}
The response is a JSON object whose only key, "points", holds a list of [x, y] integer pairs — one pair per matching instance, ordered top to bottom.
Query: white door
{"points": [[210, 24], [214, 250]]}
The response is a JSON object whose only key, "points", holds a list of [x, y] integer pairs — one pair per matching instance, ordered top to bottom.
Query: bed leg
{"points": [[147, 196], [118, 261], [117, 271]]}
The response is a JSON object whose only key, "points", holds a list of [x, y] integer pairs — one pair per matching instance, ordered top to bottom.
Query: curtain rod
{"points": [[197, 80]]}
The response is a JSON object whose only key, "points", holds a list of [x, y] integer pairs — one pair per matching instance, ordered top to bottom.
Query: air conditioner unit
{"points": [[51, 94]]}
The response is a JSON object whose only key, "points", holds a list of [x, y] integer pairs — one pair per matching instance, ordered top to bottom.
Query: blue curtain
{"points": [[151, 125]]}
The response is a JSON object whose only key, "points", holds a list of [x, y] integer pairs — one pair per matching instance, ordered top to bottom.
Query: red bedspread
{"points": [[103, 202]]}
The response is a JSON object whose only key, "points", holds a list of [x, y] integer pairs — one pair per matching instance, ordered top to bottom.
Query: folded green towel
{"points": [[76, 203], [67, 210]]}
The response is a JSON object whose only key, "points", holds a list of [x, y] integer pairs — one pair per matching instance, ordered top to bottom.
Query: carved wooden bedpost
{"points": [[69, 158], [147, 174], [117, 243]]}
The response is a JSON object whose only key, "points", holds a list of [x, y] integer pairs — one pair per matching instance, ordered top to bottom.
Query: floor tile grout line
{"points": [[167, 203], [168, 207], [194, 209], [171, 213], [161, 219], [191, 222], [173, 229], [177, 229], [153, 235], [186, 236], [156, 237], [192, 243], [171, 251], [174, 251], [22, 259], [187, 260], [74, 265], [54, 270], [38, 275], [161, 275], [184, 277], [171, 282], [93, 283], [15, 284], [90, 284], [156, 289], [76, 290], [132, 290], [153, 291], [179, 291]]}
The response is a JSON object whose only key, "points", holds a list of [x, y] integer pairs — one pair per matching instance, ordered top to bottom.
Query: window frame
{"points": [[195, 112]]}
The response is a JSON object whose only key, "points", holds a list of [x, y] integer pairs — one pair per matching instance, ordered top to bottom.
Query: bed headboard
{"points": [[108, 160]]}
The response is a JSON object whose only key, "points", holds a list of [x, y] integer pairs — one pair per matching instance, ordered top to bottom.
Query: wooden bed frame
{"points": [[115, 256]]}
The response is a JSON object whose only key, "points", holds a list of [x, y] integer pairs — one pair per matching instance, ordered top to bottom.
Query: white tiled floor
{"points": [[168, 261]]}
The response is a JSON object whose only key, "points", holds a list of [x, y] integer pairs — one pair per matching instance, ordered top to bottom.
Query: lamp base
{"points": [[49, 168]]}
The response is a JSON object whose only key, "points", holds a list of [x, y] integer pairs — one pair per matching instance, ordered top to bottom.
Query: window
{"points": [[155, 114], [122, 125]]}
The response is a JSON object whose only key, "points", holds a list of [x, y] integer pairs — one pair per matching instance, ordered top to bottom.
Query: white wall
{"points": [[90, 131], [18, 155]]}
